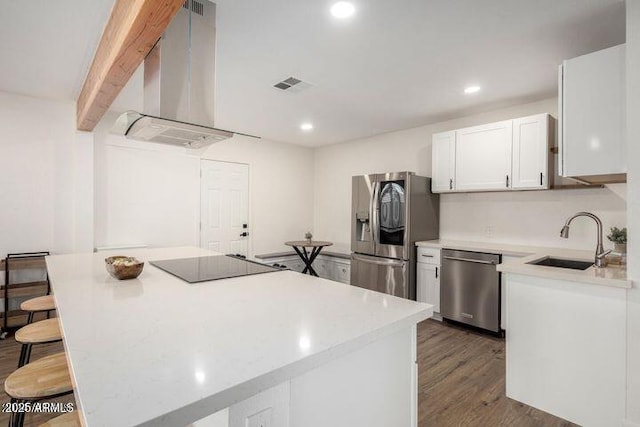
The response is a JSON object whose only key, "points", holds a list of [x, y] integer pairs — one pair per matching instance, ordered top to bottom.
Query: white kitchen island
{"points": [[274, 349]]}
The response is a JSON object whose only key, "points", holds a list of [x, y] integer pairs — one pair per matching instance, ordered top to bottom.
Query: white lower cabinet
{"points": [[293, 263], [327, 266], [323, 268], [333, 268], [342, 272], [428, 277], [428, 285], [503, 293], [566, 347], [373, 386]]}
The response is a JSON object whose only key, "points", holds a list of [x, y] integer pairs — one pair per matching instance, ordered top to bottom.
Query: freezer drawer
{"points": [[386, 275], [470, 288]]}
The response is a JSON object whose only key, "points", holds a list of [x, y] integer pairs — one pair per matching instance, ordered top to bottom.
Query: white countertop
{"points": [[610, 276], [159, 351]]}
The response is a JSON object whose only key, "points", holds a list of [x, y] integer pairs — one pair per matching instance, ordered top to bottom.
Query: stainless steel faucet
{"points": [[600, 260]]}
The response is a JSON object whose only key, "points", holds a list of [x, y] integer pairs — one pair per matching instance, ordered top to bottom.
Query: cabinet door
{"points": [[592, 114], [531, 152], [443, 156], [483, 157], [293, 263], [323, 268], [342, 273], [428, 285]]}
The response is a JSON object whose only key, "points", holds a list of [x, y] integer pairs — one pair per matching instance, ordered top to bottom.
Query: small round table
{"points": [[307, 257]]}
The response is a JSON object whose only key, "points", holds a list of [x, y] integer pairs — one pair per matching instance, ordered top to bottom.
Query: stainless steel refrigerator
{"points": [[390, 212]]}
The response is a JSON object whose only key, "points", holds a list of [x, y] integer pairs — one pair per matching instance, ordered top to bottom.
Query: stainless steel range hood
{"points": [[179, 82]]}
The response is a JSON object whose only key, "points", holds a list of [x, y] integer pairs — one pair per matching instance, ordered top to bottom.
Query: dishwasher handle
{"points": [[477, 261]]}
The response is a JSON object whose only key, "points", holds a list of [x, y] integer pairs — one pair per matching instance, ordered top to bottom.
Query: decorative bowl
{"points": [[123, 267]]}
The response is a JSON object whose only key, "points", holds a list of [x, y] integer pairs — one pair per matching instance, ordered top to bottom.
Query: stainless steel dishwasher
{"points": [[470, 289]]}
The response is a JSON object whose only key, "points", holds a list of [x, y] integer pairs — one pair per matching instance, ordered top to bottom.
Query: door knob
{"points": [[244, 234]]}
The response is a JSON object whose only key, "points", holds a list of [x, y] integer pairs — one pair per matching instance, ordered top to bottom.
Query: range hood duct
{"points": [[179, 83]]}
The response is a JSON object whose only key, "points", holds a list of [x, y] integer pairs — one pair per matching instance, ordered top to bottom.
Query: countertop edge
{"points": [[464, 246], [284, 254], [520, 266], [524, 269], [241, 386], [239, 392]]}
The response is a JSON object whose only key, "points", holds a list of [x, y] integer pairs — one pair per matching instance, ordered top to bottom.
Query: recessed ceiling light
{"points": [[342, 9], [471, 89], [306, 127]]}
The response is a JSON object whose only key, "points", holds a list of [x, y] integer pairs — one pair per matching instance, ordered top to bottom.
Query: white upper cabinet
{"points": [[592, 116], [530, 153], [502, 156], [483, 157], [443, 164]]}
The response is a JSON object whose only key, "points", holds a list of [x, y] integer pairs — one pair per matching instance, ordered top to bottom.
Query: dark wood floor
{"points": [[461, 381]]}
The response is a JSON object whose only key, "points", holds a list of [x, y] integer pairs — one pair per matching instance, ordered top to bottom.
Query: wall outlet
{"points": [[261, 419]]}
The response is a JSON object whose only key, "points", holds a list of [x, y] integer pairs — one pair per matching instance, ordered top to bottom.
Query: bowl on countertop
{"points": [[123, 267]]}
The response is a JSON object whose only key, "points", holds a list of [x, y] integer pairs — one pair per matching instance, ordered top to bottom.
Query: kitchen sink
{"points": [[562, 263]]}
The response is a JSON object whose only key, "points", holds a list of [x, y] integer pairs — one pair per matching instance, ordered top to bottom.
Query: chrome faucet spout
{"points": [[600, 260]]}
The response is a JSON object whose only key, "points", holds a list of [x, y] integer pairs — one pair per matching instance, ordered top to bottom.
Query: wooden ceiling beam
{"points": [[131, 32]]}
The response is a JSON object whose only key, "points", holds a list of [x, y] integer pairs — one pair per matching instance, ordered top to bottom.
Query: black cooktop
{"points": [[203, 269]]}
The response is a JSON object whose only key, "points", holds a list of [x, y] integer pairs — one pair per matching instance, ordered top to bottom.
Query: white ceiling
{"points": [[46, 46], [394, 65]]}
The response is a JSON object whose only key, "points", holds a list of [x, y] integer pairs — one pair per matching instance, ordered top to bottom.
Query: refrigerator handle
{"points": [[374, 214], [387, 262]]}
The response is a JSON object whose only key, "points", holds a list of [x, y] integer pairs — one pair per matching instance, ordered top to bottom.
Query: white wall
{"points": [[633, 165], [46, 177], [281, 189], [144, 193], [150, 193], [533, 218]]}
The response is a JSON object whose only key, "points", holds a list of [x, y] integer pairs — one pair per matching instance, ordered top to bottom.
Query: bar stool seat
{"points": [[43, 303], [41, 332], [44, 378], [70, 419]]}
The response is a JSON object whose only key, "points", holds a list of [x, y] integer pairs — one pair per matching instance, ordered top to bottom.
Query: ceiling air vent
{"points": [[196, 7], [292, 85]]}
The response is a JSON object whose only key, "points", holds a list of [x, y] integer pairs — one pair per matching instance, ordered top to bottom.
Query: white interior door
{"points": [[224, 207]]}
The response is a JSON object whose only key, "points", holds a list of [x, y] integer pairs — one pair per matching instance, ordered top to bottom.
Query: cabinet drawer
{"points": [[429, 255]]}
